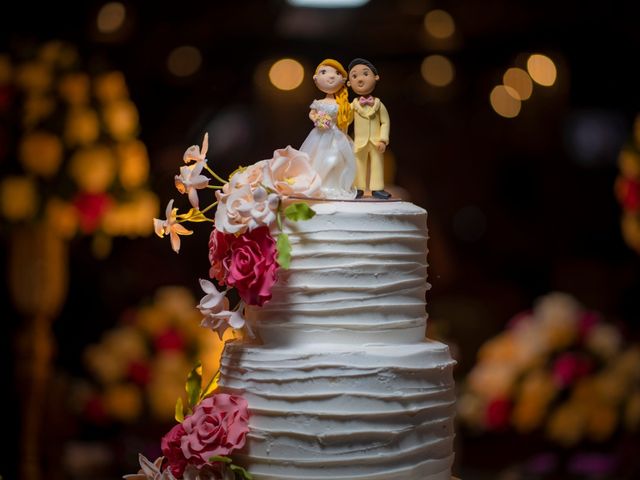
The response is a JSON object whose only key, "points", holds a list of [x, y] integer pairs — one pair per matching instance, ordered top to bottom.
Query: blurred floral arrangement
{"points": [[69, 154], [627, 188], [138, 368], [560, 370]]}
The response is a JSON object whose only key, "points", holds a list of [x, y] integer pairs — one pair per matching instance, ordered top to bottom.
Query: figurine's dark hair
{"points": [[362, 61]]}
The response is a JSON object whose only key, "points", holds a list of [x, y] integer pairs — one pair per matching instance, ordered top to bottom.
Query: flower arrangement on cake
{"points": [[627, 188], [247, 247], [138, 367], [560, 370]]}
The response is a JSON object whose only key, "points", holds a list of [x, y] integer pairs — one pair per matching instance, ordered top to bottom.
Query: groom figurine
{"points": [[370, 128]]}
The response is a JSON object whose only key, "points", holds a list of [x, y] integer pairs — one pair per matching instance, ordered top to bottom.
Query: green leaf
{"points": [[299, 211], [193, 215], [284, 250], [213, 384], [194, 385], [179, 416], [218, 458], [238, 469]]}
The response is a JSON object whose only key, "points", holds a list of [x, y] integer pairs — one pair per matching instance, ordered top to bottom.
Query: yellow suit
{"points": [[370, 125]]}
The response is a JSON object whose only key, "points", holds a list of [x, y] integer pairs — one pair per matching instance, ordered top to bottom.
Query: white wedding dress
{"points": [[331, 154]]}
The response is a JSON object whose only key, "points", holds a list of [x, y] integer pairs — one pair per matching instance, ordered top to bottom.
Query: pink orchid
{"points": [[170, 227]]}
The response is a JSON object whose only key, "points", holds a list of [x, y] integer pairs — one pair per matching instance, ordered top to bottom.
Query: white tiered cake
{"points": [[344, 384]]}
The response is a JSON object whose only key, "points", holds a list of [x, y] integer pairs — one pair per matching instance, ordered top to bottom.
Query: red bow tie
{"points": [[367, 100]]}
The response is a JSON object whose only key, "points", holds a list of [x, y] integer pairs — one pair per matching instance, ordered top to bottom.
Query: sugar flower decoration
{"points": [[196, 154], [190, 180], [170, 227], [150, 471]]}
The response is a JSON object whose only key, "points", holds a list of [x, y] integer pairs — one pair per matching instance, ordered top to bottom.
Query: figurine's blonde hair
{"points": [[342, 95]]}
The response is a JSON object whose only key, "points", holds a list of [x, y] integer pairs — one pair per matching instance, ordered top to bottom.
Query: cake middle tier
{"points": [[357, 275]]}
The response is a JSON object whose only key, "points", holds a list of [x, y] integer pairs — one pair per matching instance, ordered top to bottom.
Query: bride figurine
{"points": [[328, 146]]}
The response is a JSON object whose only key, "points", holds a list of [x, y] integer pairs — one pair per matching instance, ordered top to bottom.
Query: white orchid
{"points": [[195, 154], [190, 181], [170, 227], [213, 300], [219, 321], [150, 471]]}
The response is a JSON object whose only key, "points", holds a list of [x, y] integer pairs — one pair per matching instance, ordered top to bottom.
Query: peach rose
{"points": [[289, 172]]}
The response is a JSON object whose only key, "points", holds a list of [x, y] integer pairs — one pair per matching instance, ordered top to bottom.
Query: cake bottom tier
{"points": [[339, 412]]}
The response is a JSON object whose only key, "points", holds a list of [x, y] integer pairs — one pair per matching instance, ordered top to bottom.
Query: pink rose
{"points": [[289, 172], [219, 243], [251, 266], [569, 367], [218, 426], [171, 449]]}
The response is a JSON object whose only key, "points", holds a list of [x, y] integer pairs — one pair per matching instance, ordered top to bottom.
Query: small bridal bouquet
{"points": [[322, 120]]}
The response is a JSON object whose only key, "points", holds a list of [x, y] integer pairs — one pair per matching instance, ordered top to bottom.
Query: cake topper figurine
{"points": [[370, 128], [329, 147]]}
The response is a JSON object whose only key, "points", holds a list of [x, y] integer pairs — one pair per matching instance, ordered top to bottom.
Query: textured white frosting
{"points": [[345, 386]]}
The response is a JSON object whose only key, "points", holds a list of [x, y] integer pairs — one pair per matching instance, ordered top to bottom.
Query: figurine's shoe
{"points": [[359, 193], [381, 194]]}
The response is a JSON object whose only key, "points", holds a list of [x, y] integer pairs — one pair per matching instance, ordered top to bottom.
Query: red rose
{"points": [[628, 191], [91, 208], [219, 243], [251, 265], [170, 339], [497, 414], [218, 426], [171, 449]]}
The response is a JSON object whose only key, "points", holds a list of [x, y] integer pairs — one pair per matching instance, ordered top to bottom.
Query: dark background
{"points": [[517, 207]]}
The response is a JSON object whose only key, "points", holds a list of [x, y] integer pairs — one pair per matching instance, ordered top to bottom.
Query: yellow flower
{"points": [[58, 53], [6, 69], [34, 77], [110, 87], [75, 88], [36, 106], [121, 118], [82, 126], [41, 153], [629, 162], [134, 164], [93, 169], [18, 198], [62, 217], [631, 229], [558, 317], [152, 319], [604, 340], [126, 343], [627, 364], [106, 367], [168, 373], [490, 380], [611, 387], [535, 395], [123, 402], [471, 408], [632, 412], [528, 414], [601, 422], [567, 424]]}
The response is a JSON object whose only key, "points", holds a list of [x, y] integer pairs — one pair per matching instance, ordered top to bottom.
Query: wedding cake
{"points": [[332, 377], [344, 384]]}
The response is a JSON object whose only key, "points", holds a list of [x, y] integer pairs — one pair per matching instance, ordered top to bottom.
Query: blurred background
{"points": [[513, 123]]}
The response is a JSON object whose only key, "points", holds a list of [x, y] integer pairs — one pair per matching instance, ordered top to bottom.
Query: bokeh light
{"points": [[111, 17], [439, 24], [184, 61], [542, 69], [437, 70], [286, 74], [519, 81], [505, 102]]}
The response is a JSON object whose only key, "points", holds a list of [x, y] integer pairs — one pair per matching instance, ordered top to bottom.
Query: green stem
{"points": [[216, 176]]}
